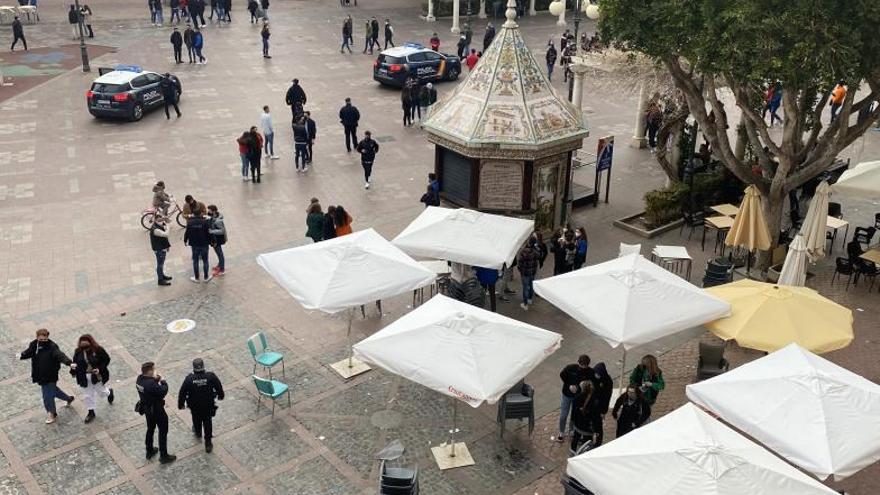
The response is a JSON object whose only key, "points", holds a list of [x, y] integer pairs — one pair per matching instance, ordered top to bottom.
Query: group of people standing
{"points": [[194, 41], [416, 99], [321, 226], [569, 247]]}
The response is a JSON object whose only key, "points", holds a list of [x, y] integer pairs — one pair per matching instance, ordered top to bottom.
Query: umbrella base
{"points": [[345, 371], [445, 461]]}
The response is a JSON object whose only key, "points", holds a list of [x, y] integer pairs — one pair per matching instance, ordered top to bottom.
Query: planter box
{"points": [[636, 225]]}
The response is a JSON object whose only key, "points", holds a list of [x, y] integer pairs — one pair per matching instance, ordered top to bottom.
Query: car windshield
{"points": [[386, 59], [109, 88]]}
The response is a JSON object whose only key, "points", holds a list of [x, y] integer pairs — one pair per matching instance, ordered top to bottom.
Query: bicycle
{"points": [[149, 215]]}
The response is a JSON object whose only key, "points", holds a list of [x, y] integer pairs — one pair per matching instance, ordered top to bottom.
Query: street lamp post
{"points": [[577, 23], [82, 41]]}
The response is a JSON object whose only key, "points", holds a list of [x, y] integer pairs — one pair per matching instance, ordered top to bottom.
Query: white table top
{"points": [[726, 209], [836, 223], [672, 252], [439, 267]]}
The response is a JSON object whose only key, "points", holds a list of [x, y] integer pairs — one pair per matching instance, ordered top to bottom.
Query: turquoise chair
{"points": [[263, 356], [272, 389]]}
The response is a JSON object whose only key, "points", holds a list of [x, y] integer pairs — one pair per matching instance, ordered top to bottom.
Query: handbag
{"points": [[138, 408]]}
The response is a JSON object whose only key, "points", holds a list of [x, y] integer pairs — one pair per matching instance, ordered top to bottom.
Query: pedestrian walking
{"points": [[174, 5], [213, 5], [264, 6], [252, 7], [227, 8], [184, 9], [158, 10], [197, 11], [86, 12], [73, 20], [374, 30], [17, 34], [264, 34], [389, 34], [346, 35], [468, 36], [489, 36], [368, 37], [188, 38], [563, 40], [435, 42], [177, 44], [198, 45], [461, 46], [472, 59], [551, 60], [565, 62], [415, 90], [169, 94], [838, 95], [427, 97], [295, 99], [407, 102], [775, 103], [349, 118], [653, 121], [312, 128], [268, 133], [300, 145], [244, 147], [368, 149], [255, 154], [315, 221], [342, 221], [329, 224], [217, 233], [198, 239], [160, 245], [581, 246], [527, 264], [488, 278], [46, 359], [91, 373], [571, 376], [648, 377], [152, 389], [198, 392], [630, 411], [586, 417]]}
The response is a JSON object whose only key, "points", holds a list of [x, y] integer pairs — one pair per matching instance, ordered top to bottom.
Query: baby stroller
{"points": [[582, 441]]}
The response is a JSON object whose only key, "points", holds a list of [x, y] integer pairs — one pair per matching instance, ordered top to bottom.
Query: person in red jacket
{"points": [[435, 42], [472, 59]]}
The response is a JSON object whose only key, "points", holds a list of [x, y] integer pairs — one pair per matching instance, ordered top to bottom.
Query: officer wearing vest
{"points": [[151, 388], [198, 392]]}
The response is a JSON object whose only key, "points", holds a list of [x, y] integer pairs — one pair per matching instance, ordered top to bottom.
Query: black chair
{"points": [[835, 210], [692, 220], [877, 221], [864, 235], [843, 266], [866, 269], [718, 271], [711, 361], [517, 403], [398, 480], [573, 486]]}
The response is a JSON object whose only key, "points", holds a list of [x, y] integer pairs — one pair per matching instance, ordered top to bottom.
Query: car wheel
{"points": [[452, 74], [137, 113]]}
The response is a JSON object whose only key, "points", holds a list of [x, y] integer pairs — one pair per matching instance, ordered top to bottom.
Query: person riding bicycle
{"points": [[161, 199]]}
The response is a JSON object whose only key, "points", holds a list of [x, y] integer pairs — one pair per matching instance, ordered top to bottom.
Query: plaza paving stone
{"points": [[18, 397], [33, 437], [131, 440], [266, 445], [77, 470], [196, 475], [314, 477], [11, 485], [126, 488]]}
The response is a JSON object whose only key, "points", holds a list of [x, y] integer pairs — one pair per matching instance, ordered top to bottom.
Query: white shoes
{"points": [[274, 157], [245, 179], [366, 185], [210, 277], [194, 280], [524, 306]]}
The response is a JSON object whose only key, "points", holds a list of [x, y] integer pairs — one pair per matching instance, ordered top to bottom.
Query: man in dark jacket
{"points": [[197, 10], [73, 20], [374, 29], [17, 34], [389, 34], [346, 35], [488, 37], [188, 38], [177, 43], [169, 93], [295, 99], [349, 117], [312, 127], [300, 144], [368, 149], [198, 239], [160, 246], [527, 264], [46, 359], [571, 376], [152, 389], [198, 392], [630, 410]]}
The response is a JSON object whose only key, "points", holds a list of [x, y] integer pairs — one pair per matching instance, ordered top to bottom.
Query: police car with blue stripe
{"points": [[395, 65], [126, 91]]}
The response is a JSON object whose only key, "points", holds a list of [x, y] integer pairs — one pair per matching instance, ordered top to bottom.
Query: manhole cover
{"points": [[180, 326], [386, 420]]}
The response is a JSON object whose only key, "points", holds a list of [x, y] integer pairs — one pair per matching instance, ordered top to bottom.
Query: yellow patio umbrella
{"points": [[749, 229], [768, 317]]}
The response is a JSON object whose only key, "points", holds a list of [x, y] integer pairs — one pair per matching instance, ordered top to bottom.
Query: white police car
{"points": [[395, 65], [126, 91]]}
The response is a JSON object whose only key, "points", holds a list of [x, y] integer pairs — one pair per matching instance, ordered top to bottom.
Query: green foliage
{"points": [[664, 205]]}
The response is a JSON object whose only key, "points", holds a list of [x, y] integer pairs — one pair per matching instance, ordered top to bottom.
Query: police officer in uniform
{"points": [[152, 390], [198, 392]]}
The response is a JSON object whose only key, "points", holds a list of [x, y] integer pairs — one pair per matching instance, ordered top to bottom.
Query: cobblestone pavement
{"points": [[74, 259]]}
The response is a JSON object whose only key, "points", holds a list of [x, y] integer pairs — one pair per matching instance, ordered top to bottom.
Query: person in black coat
{"points": [[17, 34], [488, 37], [177, 43], [169, 94], [295, 98], [349, 117], [312, 128], [368, 149], [329, 223], [198, 239], [160, 246], [46, 359], [91, 373], [571, 376], [152, 389], [197, 392], [630, 410], [586, 417]]}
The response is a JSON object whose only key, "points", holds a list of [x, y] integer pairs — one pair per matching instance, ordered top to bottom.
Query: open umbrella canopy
{"points": [[862, 180], [816, 223], [749, 228], [465, 236], [794, 270], [345, 272], [630, 301], [768, 317], [459, 350], [814, 413], [688, 452]]}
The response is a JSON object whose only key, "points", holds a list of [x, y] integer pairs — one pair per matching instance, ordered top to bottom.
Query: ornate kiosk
{"points": [[503, 138]]}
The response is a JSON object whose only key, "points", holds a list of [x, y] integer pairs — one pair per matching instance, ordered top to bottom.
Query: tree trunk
{"points": [[772, 207]]}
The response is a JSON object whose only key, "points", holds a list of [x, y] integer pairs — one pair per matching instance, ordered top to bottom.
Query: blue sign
{"points": [[605, 153]]}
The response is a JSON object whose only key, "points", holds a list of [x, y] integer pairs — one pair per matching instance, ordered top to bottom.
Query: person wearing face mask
{"points": [[581, 244], [46, 359], [91, 373], [571, 376], [648, 377], [630, 411], [586, 417]]}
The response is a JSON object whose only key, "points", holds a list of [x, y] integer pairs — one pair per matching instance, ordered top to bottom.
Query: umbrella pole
{"points": [[348, 337], [622, 368], [454, 427]]}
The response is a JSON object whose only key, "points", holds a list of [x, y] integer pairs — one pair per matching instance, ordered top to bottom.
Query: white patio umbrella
{"points": [[862, 180], [816, 223], [465, 236], [794, 270], [344, 273], [630, 301], [459, 350], [814, 413], [688, 452]]}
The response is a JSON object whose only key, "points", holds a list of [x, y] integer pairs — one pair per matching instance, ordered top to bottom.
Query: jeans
{"points": [[174, 13], [159, 19], [388, 41], [344, 44], [265, 47], [198, 51], [191, 53], [178, 54], [549, 71], [835, 107], [351, 139], [269, 145], [300, 150], [244, 165], [368, 170], [199, 253], [221, 260], [160, 263], [528, 291], [50, 393], [564, 408], [160, 420]]}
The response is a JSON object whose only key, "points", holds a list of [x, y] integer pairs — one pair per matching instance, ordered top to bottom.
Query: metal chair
{"points": [[835, 210], [691, 220], [877, 221], [864, 235], [843, 266], [262, 355], [711, 361], [271, 389], [517, 403], [398, 480]]}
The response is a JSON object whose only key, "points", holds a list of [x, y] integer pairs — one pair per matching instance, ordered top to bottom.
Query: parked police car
{"points": [[395, 65], [126, 91]]}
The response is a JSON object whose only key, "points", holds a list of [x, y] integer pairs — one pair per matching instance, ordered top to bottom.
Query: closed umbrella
{"points": [[863, 180], [816, 223], [749, 229], [794, 270], [344, 273], [768, 317], [461, 351], [819, 416], [688, 452]]}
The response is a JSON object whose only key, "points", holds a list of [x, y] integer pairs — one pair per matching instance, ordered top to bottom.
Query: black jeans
{"points": [[15, 40], [388, 41], [178, 53], [191, 53], [171, 103], [414, 110], [652, 135], [351, 139], [311, 144], [255, 168], [368, 169], [160, 419], [202, 423]]}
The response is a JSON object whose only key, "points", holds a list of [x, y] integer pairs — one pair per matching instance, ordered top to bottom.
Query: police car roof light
{"points": [[410, 44], [129, 68]]}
